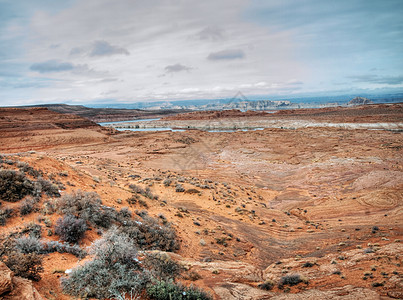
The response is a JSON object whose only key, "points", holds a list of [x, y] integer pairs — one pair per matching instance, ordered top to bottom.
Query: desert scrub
{"points": [[26, 168], [167, 182], [14, 185], [49, 188], [179, 188], [136, 189], [192, 191], [144, 192], [150, 195], [133, 199], [143, 203], [27, 206], [87, 206], [48, 208], [124, 213], [5, 214], [70, 228], [32, 229], [147, 232], [150, 233], [222, 241], [32, 244], [28, 245], [56, 246], [308, 264], [25, 265], [161, 266], [115, 268], [192, 276], [291, 280], [267, 285], [168, 290]]}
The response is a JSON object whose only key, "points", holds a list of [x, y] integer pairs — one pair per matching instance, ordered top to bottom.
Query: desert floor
{"points": [[324, 202]]}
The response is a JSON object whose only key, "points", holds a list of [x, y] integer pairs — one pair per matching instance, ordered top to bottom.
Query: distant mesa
{"points": [[360, 101], [104, 114]]}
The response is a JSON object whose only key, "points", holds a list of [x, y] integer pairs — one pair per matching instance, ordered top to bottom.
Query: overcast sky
{"points": [[105, 51]]}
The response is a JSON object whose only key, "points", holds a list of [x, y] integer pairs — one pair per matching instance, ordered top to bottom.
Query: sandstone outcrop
{"points": [[16, 288]]}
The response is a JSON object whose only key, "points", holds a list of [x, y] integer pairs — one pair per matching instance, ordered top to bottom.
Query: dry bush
{"points": [[26, 168], [14, 185], [49, 188], [179, 188], [144, 192], [27, 206], [87, 206], [4, 215], [70, 228], [149, 234], [28, 245], [56, 246], [25, 265], [162, 266], [114, 269], [291, 280], [267, 285], [167, 290]]}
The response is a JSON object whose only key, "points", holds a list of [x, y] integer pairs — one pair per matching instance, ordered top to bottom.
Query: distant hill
{"points": [[360, 101], [252, 105], [108, 114]]}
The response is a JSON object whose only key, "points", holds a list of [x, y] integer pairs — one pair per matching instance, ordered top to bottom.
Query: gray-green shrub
{"points": [[27, 206], [70, 228], [28, 245], [161, 266], [115, 268], [168, 290]]}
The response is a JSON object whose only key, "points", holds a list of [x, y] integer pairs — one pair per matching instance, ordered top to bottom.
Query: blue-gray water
{"points": [[130, 121], [167, 128], [150, 129], [178, 130]]}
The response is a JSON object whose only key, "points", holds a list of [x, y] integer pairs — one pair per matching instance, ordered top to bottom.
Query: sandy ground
{"points": [[277, 197]]}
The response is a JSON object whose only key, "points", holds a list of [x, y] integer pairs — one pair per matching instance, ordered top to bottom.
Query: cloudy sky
{"points": [[105, 51]]}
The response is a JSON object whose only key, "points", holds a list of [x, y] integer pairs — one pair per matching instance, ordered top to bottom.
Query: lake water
{"points": [[131, 121], [168, 128], [140, 129], [151, 129], [179, 130], [234, 130]]}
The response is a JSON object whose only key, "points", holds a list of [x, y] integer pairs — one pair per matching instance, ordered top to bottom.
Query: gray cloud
{"points": [[211, 33], [280, 41], [54, 46], [103, 48], [76, 51], [227, 55], [51, 66], [55, 66], [176, 68], [369, 78], [295, 82]]}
